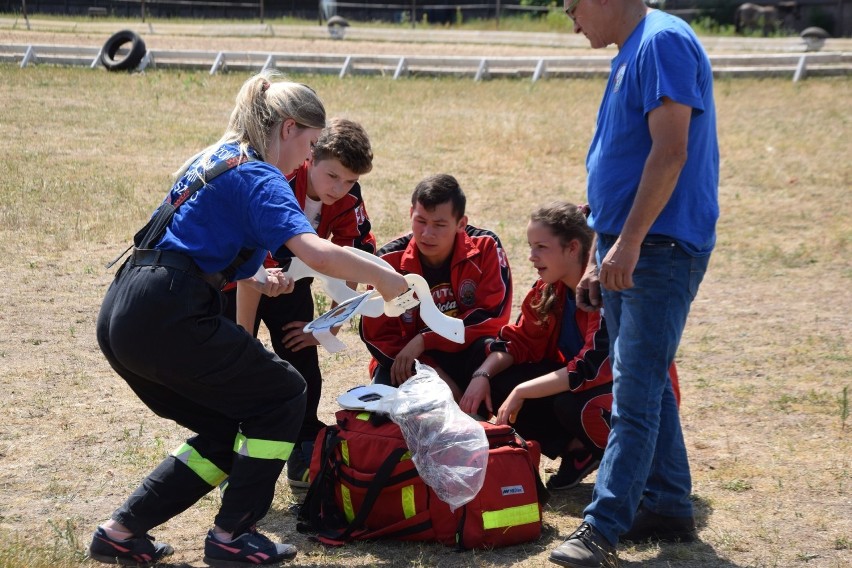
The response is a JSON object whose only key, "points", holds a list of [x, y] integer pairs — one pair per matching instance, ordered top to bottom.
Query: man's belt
{"points": [[176, 260]]}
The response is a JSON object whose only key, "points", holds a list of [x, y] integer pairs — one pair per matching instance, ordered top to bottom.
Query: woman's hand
{"points": [[277, 283], [391, 285]]}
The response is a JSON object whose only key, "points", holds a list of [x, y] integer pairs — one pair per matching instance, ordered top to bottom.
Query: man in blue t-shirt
{"points": [[653, 175]]}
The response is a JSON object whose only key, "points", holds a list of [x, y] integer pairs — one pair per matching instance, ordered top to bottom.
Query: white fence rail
{"points": [[796, 65]]}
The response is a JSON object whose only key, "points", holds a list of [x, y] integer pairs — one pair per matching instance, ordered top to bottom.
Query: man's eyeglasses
{"points": [[571, 8]]}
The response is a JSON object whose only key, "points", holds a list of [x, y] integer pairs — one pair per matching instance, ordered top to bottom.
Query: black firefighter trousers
{"points": [[162, 330]]}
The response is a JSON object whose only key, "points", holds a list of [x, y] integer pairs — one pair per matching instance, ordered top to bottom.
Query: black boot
{"points": [[648, 525]]}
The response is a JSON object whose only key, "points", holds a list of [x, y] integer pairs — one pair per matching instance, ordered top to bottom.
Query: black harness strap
{"points": [[155, 228], [152, 232]]}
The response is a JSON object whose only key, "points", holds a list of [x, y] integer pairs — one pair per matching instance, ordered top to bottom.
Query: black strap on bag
{"points": [[155, 228], [512, 438], [376, 486], [541, 488], [318, 508], [320, 513]]}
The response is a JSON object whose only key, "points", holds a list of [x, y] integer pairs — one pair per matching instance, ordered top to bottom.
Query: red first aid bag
{"points": [[365, 486]]}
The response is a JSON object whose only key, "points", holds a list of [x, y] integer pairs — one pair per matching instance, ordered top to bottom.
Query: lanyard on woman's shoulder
{"points": [[156, 226]]}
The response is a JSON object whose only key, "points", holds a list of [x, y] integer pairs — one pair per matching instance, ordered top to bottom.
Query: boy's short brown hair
{"points": [[346, 141], [438, 189]]}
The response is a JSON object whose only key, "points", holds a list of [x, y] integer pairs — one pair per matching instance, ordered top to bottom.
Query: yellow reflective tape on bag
{"points": [[363, 416], [262, 449], [344, 451], [203, 468], [347, 503], [409, 508], [511, 516]]}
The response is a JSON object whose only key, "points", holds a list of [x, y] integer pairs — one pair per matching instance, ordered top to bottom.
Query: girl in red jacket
{"points": [[549, 373]]}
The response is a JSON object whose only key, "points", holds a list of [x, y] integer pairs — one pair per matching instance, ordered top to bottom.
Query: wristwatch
{"points": [[485, 374]]}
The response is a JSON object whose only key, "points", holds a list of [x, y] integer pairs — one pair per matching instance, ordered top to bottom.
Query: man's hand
{"points": [[618, 265], [588, 293], [295, 339], [401, 369], [477, 391], [508, 412]]}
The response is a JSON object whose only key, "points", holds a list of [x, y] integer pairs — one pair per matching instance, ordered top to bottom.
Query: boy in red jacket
{"points": [[469, 277]]}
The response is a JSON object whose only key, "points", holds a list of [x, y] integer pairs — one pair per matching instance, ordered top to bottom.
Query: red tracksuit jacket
{"points": [[481, 282]]}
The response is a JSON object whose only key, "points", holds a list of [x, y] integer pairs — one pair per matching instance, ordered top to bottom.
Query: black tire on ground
{"points": [[126, 62]]}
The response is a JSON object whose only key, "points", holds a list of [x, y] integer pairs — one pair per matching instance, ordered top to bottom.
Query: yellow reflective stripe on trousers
{"points": [[262, 449], [203, 468], [511, 516]]}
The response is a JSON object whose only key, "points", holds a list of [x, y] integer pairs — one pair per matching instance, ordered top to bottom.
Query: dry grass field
{"points": [[764, 364]]}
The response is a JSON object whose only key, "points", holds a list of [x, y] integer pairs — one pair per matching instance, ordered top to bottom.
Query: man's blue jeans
{"points": [[645, 458]]}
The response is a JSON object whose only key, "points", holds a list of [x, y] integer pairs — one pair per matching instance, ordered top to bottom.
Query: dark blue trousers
{"points": [[163, 332]]}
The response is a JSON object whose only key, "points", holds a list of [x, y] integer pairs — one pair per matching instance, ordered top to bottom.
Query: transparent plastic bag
{"points": [[448, 447]]}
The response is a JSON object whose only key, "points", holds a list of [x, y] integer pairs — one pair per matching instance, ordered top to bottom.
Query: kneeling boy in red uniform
{"points": [[469, 277]]}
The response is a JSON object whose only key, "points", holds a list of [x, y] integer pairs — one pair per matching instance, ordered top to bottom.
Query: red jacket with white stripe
{"points": [[481, 282]]}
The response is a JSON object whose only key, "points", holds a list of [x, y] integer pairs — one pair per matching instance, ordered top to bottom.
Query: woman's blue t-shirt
{"points": [[250, 206]]}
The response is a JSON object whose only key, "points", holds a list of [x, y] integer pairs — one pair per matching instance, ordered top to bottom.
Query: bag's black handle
{"points": [[376, 486], [541, 488], [315, 501], [323, 515]]}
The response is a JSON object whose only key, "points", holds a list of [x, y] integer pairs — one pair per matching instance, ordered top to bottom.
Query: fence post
{"points": [[28, 56], [97, 59], [147, 60], [219, 63], [347, 65], [400, 68], [801, 69], [539, 70], [482, 71]]}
